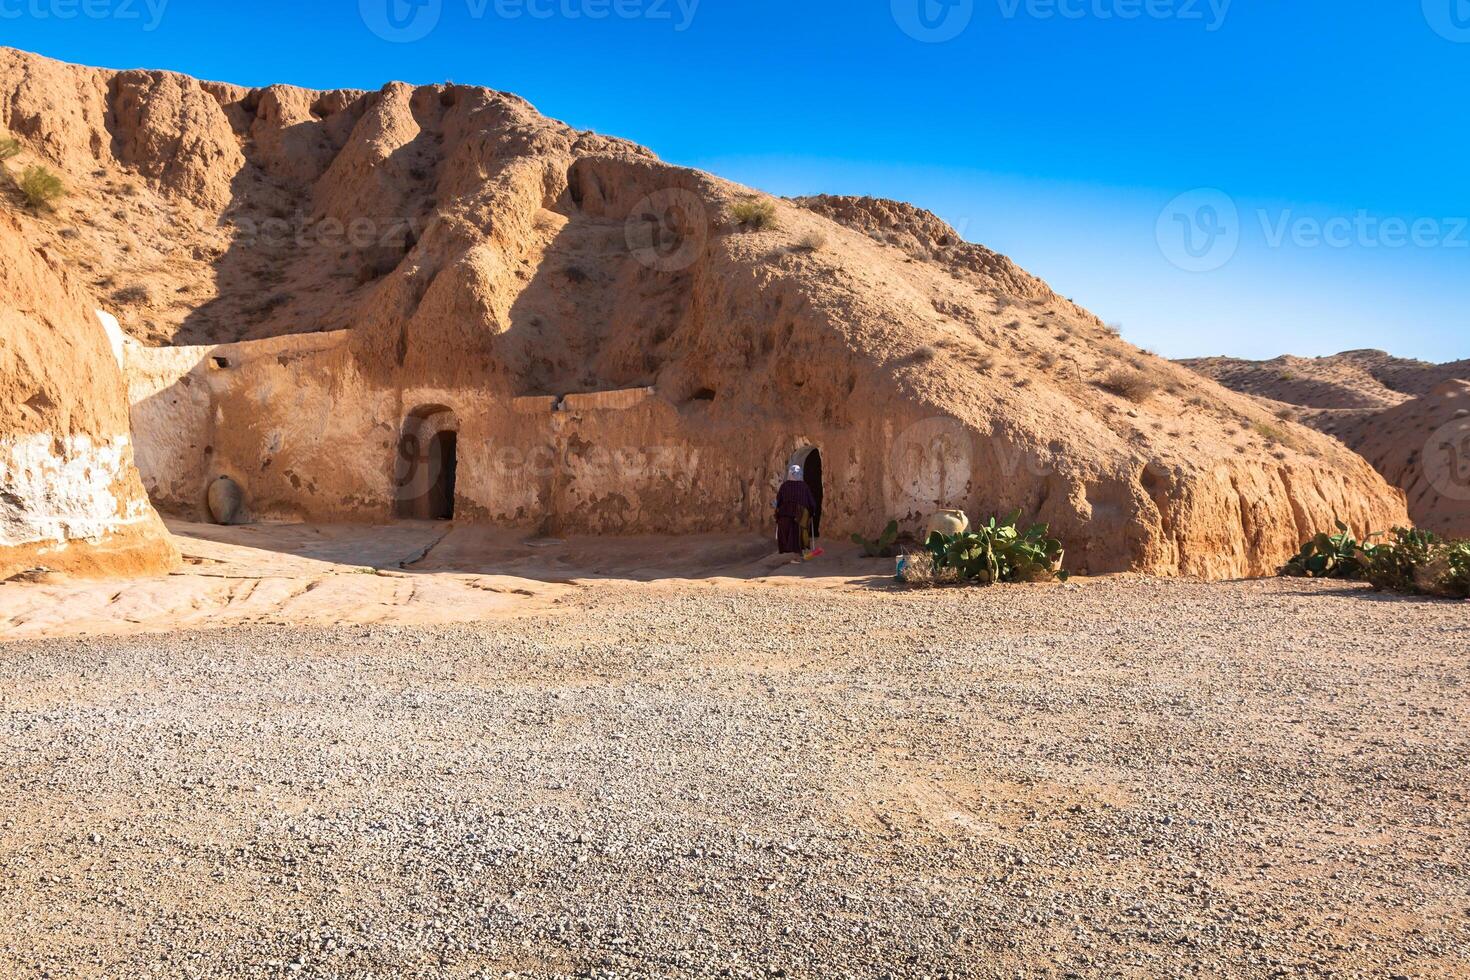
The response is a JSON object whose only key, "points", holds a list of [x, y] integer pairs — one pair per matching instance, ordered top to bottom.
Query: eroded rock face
{"points": [[508, 260], [1408, 418], [70, 496]]}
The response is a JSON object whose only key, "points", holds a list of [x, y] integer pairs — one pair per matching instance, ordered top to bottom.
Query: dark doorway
{"points": [[443, 461], [810, 461], [427, 465]]}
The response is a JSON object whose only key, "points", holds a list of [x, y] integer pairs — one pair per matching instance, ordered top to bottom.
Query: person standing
{"points": [[796, 514]]}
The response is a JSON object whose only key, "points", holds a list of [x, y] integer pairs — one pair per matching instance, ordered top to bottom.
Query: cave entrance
{"points": [[809, 458], [443, 461], [428, 465]]}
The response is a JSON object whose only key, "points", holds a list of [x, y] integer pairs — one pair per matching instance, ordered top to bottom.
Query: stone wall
{"points": [[309, 438]]}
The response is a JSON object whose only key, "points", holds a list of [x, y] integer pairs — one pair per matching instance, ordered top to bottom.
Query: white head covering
{"points": [[793, 472]]}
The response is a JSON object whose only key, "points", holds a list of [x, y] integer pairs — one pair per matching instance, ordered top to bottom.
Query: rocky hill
{"points": [[467, 242], [1409, 418]]}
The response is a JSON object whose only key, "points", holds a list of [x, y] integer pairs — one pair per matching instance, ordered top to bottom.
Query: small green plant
{"points": [[9, 147], [41, 188], [754, 213], [1269, 432], [882, 546], [999, 551], [1339, 556], [1410, 561], [1456, 581]]}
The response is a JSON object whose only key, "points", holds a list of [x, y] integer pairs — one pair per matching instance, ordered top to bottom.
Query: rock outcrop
{"points": [[481, 258], [1410, 419], [70, 497]]}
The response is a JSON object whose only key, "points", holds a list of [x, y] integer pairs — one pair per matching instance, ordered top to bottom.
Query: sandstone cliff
{"points": [[1410, 419]]}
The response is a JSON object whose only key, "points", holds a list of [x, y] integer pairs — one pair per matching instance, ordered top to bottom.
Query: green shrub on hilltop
{"points": [[754, 212]]}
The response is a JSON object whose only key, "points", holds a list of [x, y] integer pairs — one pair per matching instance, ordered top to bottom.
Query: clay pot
{"points": [[226, 501], [950, 522]]}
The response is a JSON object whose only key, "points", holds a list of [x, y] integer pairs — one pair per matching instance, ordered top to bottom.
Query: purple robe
{"points": [[796, 509]]}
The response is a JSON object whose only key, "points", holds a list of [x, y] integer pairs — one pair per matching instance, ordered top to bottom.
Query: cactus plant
{"points": [[882, 546], [999, 551], [1339, 556]]}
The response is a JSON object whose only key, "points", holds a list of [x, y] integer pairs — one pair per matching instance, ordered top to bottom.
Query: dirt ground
{"points": [[606, 768]]}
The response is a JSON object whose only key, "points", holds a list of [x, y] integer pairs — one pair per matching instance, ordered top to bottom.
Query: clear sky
{"points": [[1250, 177]]}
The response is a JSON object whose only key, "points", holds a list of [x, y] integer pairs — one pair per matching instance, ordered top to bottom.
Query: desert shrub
{"points": [[9, 147], [41, 187], [755, 213], [812, 241], [132, 295], [1135, 386], [1269, 432], [882, 546], [999, 551], [1339, 556], [1410, 561], [918, 568], [1456, 581]]}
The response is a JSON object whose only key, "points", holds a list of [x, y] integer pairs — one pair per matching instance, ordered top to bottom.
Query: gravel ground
{"points": [[1122, 777]]}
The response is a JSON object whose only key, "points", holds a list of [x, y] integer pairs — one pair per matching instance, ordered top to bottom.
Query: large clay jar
{"points": [[226, 501], [950, 522]]}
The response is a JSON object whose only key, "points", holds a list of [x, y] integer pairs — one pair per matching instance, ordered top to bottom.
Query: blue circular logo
{"points": [[1449, 18], [401, 21], [933, 21], [1199, 231]]}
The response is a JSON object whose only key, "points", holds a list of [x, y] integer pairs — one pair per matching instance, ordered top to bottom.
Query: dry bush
{"points": [[9, 147], [41, 188], [754, 213], [812, 241], [132, 295], [924, 354], [1135, 386], [1269, 432], [919, 570]]}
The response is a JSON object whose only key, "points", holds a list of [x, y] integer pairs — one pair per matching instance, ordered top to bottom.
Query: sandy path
{"points": [[404, 573]]}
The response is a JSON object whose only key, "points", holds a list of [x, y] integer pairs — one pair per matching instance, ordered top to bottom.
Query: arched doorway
{"points": [[809, 458], [427, 465]]}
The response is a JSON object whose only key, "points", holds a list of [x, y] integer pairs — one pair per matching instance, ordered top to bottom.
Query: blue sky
{"points": [[1314, 153]]}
